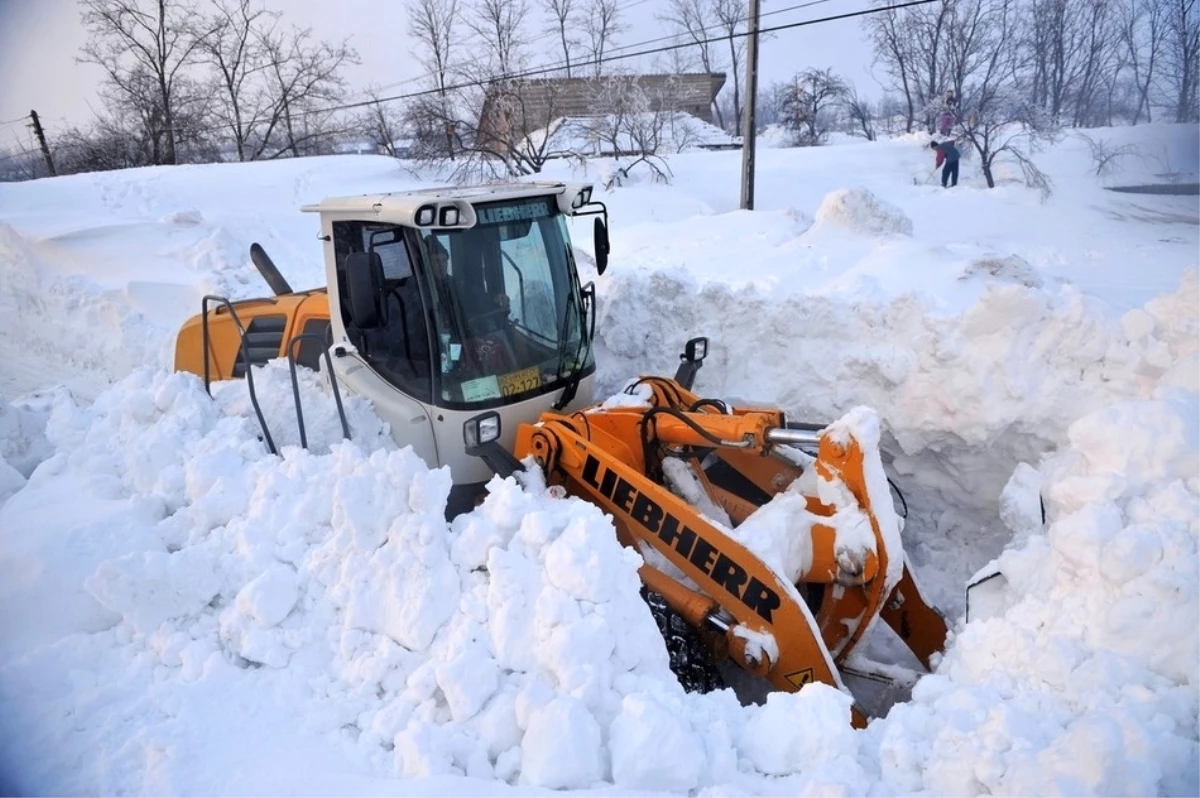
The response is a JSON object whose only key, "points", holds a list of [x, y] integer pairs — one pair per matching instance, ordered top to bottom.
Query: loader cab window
{"points": [[507, 309], [398, 347]]}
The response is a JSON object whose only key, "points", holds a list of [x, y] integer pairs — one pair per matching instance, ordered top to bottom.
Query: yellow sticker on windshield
{"points": [[520, 381]]}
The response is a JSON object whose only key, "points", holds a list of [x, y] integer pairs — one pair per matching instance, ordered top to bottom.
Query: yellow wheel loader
{"points": [[459, 313]]}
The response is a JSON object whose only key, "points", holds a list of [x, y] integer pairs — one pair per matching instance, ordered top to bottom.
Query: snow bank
{"points": [[857, 210], [962, 398], [176, 603], [513, 645], [1087, 681]]}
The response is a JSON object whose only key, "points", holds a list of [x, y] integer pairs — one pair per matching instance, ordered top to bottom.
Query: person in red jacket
{"points": [[947, 153]]}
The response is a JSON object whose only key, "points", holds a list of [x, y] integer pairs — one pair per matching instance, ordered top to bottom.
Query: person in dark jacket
{"points": [[948, 153]]}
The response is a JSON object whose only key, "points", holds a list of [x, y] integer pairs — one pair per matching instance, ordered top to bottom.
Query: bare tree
{"points": [[730, 16], [694, 20], [431, 24], [562, 24], [601, 25], [499, 26], [1142, 27], [890, 36], [911, 44], [1074, 46], [144, 48], [237, 55], [1181, 72], [306, 77], [770, 103], [810, 105], [860, 113], [1002, 118], [642, 122], [383, 125], [503, 128], [1106, 155]]}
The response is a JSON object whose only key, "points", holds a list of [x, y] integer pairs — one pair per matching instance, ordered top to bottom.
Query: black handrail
{"points": [[337, 396], [262, 422]]}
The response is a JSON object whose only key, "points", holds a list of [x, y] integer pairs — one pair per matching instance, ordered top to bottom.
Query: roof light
{"points": [[425, 215], [449, 216]]}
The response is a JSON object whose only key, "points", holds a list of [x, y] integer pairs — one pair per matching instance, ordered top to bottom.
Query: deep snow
{"points": [[183, 613]]}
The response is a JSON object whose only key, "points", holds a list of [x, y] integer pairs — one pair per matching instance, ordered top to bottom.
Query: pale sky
{"points": [[39, 40]]}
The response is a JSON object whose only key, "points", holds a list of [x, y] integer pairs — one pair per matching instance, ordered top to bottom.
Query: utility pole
{"points": [[748, 126], [41, 137]]}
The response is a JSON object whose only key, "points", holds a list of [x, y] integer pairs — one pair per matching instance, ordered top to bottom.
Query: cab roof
{"points": [[402, 201]]}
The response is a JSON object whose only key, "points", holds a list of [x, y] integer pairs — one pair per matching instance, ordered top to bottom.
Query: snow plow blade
{"points": [[702, 489]]}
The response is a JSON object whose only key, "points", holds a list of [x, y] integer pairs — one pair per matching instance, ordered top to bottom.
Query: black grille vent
{"points": [[264, 338]]}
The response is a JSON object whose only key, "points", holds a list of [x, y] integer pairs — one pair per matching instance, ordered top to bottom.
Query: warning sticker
{"points": [[801, 677]]}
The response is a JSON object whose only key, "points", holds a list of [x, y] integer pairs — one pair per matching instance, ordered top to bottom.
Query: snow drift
{"points": [[178, 603]]}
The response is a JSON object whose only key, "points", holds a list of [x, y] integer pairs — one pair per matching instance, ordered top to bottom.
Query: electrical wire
{"points": [[597, 61]]}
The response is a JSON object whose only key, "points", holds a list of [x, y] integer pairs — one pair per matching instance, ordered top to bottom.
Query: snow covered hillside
{"points": [[181, 612]]}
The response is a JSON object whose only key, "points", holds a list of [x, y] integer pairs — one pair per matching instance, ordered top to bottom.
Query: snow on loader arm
{"points": [[780, 560]]}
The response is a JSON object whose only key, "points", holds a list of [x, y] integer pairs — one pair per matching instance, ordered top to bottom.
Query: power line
{"points": [[543, 37], [596, 61], [563, 64], [545, 70]]}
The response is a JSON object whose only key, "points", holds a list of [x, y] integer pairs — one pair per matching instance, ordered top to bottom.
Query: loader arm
{"points": [[613, 457]]}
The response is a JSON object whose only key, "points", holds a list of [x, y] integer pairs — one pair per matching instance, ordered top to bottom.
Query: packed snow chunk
{"points": [[857, 210], [1011, 268], [1184, 373], [23, 442], [1130, 445], [1021, 502], [584, 570], [150, 588], [407, 588], [270, 596], [469, 677], [806, 732], [654, 747], [561, 749]]}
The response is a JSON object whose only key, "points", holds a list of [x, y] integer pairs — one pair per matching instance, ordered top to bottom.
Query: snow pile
{"points": [[857, 210], [962, 398], [513, 645], [1087, 683]]}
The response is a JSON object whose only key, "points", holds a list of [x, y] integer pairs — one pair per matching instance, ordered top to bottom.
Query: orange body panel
{"points": [[270, 323], [600, 455]]}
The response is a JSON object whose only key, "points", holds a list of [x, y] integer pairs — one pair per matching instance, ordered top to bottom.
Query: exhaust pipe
{"points": [[266, 267]]}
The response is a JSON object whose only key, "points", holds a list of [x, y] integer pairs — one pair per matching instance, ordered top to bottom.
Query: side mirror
{"points": [[600, 244], [364, 281], [695, 350], [693, 356], [481, 438]]}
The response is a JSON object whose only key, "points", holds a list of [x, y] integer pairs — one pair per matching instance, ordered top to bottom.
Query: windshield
{"points": [[506, 306]]}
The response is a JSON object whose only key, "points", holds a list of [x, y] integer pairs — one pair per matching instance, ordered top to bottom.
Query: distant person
{"points": [[945, 123], [948, 153]]}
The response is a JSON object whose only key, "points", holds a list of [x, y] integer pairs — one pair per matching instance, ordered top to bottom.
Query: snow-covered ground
{"points": [[181, 612]]}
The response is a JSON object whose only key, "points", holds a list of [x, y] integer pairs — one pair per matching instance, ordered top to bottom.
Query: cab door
{"points": [[389, 361]]}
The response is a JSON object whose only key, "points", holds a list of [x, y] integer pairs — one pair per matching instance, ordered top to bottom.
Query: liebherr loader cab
{"points": [[455, 301], [441, 304], [459, 314]]}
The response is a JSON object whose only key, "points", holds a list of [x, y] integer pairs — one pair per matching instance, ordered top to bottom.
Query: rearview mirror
{"points": [[600, 244], [364, 281]]}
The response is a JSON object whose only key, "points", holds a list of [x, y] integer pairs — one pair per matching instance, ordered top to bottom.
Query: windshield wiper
{"points": [[572, 386]]}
